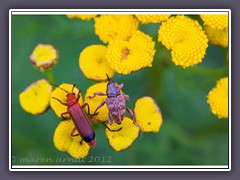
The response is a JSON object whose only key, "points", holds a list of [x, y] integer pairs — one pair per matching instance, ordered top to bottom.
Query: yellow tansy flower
{"points": [[81, 16], [152, 18], [215, 21], [109, 27], [217, 36], [186, 40], [44, 56], [127, 56], [93, 63], [60, 94], [35, 98], [218, 98], [95, 101], [148, 114], [123, 138], [63, 140]]}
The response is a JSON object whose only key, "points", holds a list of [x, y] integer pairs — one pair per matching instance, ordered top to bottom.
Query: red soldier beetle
{"points": [[115, 102], [79, 117]]}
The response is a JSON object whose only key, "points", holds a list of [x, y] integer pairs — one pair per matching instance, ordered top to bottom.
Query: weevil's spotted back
{"points": [[116, 108]]}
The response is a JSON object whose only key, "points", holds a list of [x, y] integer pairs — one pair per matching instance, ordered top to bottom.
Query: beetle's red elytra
{"points": [[115, 102], [79, 117]]}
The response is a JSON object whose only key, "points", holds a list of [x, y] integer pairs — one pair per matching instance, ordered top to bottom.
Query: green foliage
{"points": [[190, 134]]}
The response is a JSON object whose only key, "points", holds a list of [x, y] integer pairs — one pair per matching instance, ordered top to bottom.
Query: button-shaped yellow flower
{"points": [[81, 16], [152, 18], [215, 21], [109, 27], [218, 37], [186, 40], [44, 56], [127, 56], [93, 63], [61, 95], [35, 98], [218, 98], [95, 101], [148, 114], [124, 134], [63, 141]]}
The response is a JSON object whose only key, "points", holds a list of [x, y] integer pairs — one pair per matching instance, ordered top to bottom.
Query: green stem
{"points": [[50, 76]]}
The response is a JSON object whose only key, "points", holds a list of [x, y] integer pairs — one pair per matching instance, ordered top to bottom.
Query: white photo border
{"points": [[114, 167]]}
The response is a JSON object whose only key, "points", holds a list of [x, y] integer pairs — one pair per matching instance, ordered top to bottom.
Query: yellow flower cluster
{"points": [[81, 16], [152, 18], [215, 21], [109, 27], [216, 28], [218, 37], [186, 40], [44, 56], [127, 56], [93, 63], [60, 94], [35, 98], [218, 98], [148, 115], [121, 139], [63, 141]]}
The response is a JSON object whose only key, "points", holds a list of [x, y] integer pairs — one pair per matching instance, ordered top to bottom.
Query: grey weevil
{"points": [[115, 102]]}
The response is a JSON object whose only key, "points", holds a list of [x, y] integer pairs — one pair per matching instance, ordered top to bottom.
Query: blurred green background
{"points": [[190, 133]]}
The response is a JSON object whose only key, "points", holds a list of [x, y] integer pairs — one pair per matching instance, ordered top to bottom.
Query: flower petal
{"points": [[93, 63], [36, 97], [218, 98], [148, 114], [124, 137]]}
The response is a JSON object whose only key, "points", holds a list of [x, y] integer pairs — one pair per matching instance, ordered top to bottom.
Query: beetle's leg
{"points": [[120, 86], [97, 94], [126, 97], [65, 104], [86, 104], [100, 105], [133, 116], [64, 117], [95, 120], [111, 129], [72, 132], [81, 141]]}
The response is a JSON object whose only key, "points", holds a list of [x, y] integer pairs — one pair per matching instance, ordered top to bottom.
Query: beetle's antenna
{"points": [[108, 77], [73, 87], [59, 88]]}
